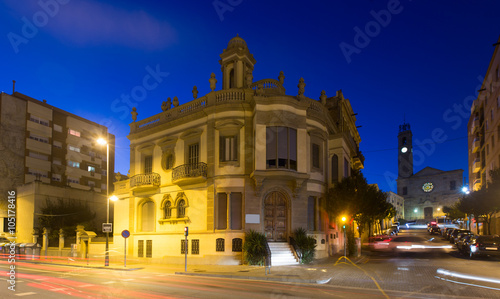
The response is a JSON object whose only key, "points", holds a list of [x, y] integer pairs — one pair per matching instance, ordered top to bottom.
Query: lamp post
{"points": [[103, 141], [345, 241]]}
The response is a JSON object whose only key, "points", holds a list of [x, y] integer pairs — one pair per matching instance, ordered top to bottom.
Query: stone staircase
{"points": [[282, 254]]}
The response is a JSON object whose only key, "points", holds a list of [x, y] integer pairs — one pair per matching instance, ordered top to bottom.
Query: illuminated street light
{"points": [[103, 141], [465, 190], [416, 210], [345, 241]]}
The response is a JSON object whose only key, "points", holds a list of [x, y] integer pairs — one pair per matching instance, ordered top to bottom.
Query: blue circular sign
{"points": [[125, 233]]}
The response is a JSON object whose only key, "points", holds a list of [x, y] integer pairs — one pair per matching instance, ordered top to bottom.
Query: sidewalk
{"points": [[319, 272]]}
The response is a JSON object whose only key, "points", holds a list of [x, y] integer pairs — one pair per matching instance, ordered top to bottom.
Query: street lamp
{"points": [[103, 141], [344, 228]]}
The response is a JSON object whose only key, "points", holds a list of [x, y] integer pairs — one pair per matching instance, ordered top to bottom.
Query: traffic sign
{"points": [[107, 227], [125, 233]]}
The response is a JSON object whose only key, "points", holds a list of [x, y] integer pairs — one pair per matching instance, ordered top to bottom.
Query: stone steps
{"points": [[282, 254]]}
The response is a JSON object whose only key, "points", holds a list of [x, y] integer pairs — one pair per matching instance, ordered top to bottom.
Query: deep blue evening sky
{"points": [[422, 60]]}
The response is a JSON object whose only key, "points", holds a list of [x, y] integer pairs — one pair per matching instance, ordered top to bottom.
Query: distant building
{"points": [[484, 131], [44, 146], [246, 157], [428, 191], [398, 202]]}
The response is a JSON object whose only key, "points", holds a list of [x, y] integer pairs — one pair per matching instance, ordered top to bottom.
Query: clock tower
{"points": [[405, 151]]}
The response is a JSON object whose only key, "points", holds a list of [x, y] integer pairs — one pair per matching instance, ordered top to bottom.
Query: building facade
{"points": [[484, 131], [42, 143], [246, 157], [428, 191], [398, 202]]}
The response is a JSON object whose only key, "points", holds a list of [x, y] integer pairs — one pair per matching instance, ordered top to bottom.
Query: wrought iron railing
{"points": [[189, 171], [145, 179], [267, 261]]}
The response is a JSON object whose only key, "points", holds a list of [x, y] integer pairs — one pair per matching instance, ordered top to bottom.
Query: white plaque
{"points": [[252, 218]]}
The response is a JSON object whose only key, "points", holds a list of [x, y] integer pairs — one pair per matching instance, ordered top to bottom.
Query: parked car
{"points": [[434, 230], [445, 232], [449, 232], [455, 233], [462, 234], [463, 242], [483, 245]]}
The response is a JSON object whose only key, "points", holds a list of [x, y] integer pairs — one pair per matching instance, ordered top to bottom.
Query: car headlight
{"points": [[473, 248]]}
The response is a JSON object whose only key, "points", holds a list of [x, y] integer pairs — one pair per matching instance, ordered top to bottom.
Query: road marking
{"points": [[108, 282], [26, 294]]}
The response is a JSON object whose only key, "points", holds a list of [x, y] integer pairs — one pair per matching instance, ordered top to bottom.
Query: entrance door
{"points": [[428, 213], [275, 217]]}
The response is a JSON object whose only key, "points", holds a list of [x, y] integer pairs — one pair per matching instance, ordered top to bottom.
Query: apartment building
{"points": [[48, 146], [245, 157]]}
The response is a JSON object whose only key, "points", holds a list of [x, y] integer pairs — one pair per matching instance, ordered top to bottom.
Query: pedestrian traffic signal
{"points": [[186, 231]]}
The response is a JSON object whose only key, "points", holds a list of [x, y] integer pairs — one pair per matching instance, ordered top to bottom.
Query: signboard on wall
{"points": [[252, 218]]}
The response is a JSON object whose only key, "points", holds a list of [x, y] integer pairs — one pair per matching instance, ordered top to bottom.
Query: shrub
{"points": [[305, 245], [254, 248]]}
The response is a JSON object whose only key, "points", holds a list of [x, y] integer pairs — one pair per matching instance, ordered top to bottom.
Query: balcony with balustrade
{"points": [[189, 173], [145, 182]]}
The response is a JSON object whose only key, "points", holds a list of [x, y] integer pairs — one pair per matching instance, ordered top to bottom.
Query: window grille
{"points": [[168, 209], [181, 213], [219, 245], [237, 245], [183, 246], [195, 246], [140, 248], [149, 248]]}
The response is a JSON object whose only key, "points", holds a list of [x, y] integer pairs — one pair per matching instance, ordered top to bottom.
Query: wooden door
{"points": [[275, 217]]}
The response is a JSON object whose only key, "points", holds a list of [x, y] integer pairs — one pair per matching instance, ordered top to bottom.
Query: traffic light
{"points": [[186, 231]]}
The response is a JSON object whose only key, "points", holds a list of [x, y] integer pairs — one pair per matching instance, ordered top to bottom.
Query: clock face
{"points": [[404, 149], [427, 187]]}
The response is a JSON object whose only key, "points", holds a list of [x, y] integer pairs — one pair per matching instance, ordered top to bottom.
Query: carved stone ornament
{"points": [[281, 77], [212, 81], [301, 86], [195, 92], [322, 97], [176, 102], [169, 103], [164, 106], [134, 114]]}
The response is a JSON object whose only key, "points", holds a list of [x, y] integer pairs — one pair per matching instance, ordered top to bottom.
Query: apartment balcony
{"points": [[475, 125], [475, 144], [476, 165], [189, 173], [145, 182], [476, 185]]}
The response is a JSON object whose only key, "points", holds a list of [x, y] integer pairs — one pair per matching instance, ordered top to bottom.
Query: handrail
{"points": [[189, 171], [145, 179], [296, 250]]}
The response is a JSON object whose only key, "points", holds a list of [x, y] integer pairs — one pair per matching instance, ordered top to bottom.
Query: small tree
{"points": [[305, 244], [254, 248]]}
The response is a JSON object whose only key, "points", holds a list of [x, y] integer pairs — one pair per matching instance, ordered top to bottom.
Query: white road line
{"points": [[26, 294]]}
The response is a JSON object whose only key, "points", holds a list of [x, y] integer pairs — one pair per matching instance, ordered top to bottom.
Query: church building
{"points": [[245, 157], [428, 191]]}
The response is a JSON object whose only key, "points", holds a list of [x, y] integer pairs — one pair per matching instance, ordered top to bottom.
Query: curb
{"points": [[84, 266], [265, 278]]}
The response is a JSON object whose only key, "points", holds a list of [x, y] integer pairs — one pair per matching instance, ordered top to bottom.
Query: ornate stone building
{"points": [[246, 157], [426, 192]]}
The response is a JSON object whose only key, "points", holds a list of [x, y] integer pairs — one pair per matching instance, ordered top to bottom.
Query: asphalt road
{"points": [[439, 275]]}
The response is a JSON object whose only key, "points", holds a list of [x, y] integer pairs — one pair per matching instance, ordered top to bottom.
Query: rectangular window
{"points": [[498, 102], [491, 114], [39, 120], [57, 128], [74, 133], [39, 138], [492, 142], [57, 144], [281, 147], [73, 148], [228, 148], [193, 153], [38, 155], [315, 155], [56, 161], [74, 164], [148, 164], [91, 168], [346, 168], [37, 173], [56, 177], [73, 180], [91, 184], [453, 185], [405, 190], [311, 208], [236, 210], [221, 211], [184, 244], [219, 245], [237, 245], [195, 246], [140, 248], [149, 248]]}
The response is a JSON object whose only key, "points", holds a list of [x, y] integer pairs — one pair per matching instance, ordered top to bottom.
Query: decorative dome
{"points": [[237, 42]]}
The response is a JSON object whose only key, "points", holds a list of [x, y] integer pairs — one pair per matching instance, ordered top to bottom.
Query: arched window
{"points": [[167, 209], [181, 209], [148, 216]]}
